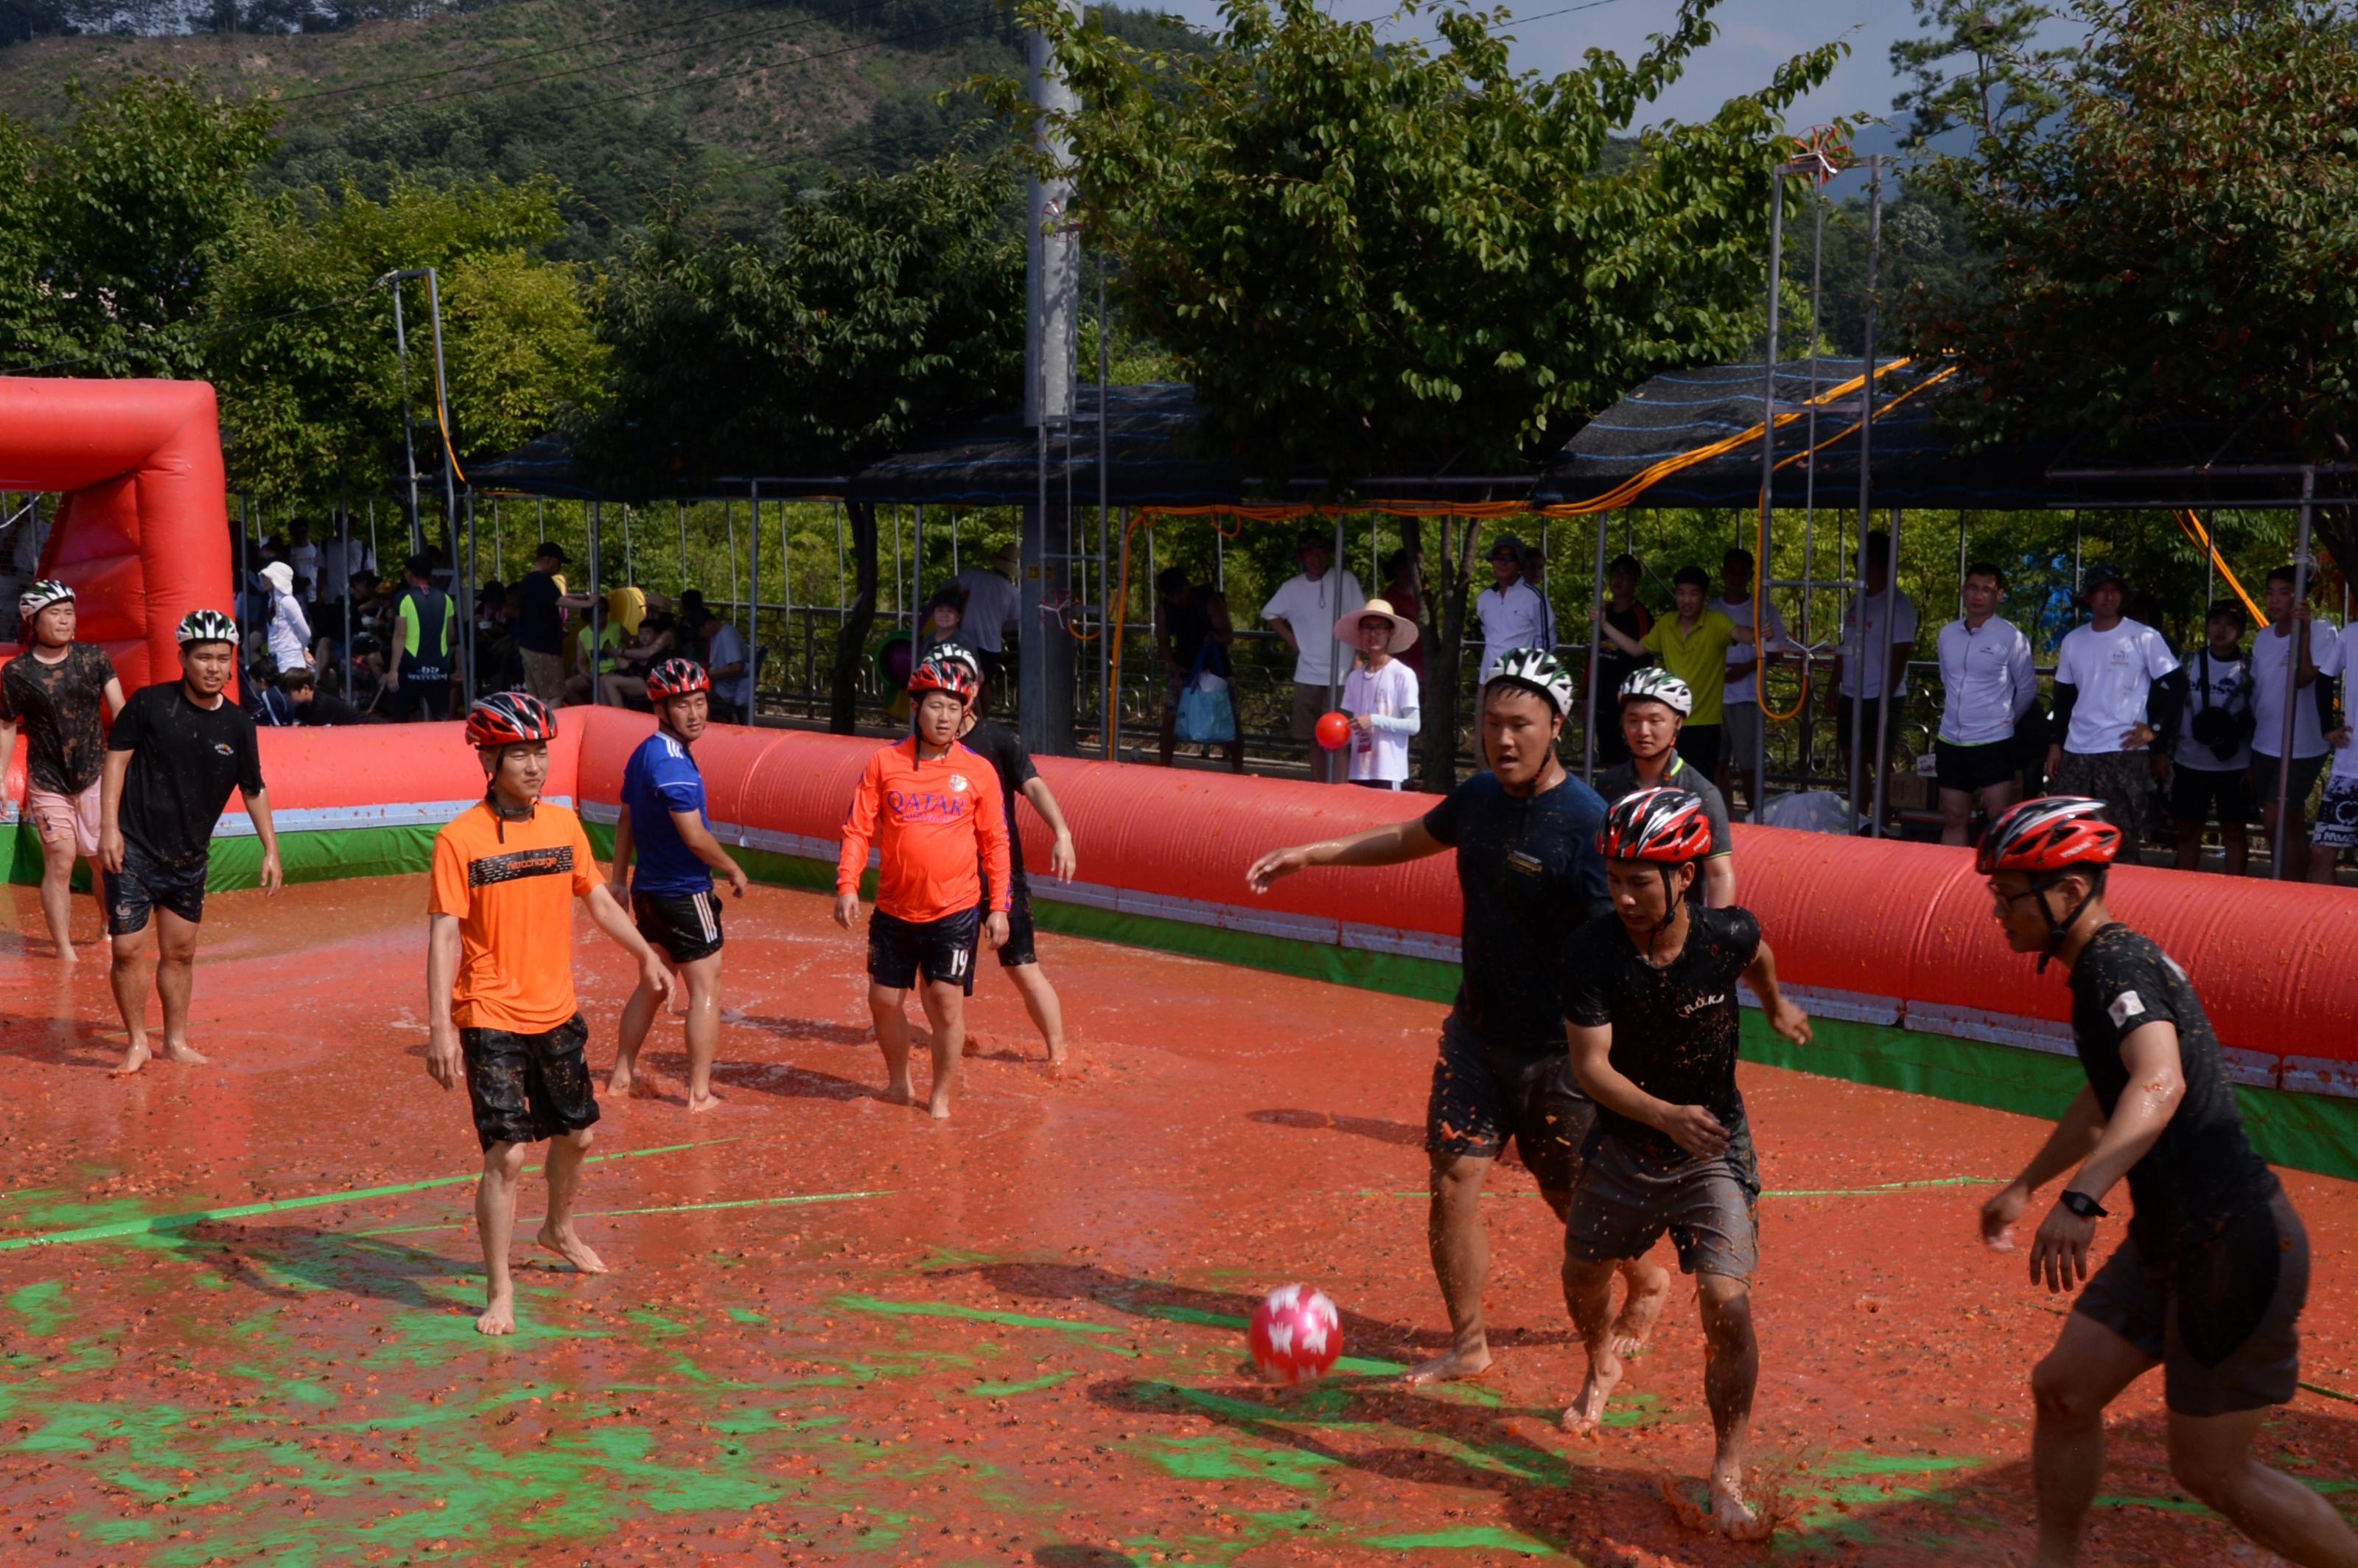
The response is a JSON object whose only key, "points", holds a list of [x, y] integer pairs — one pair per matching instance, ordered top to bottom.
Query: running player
{"points": [[62, 692], [1654, 707], [177, 750], [932, 808], [664, 823], [1529, 877], [1019, 955], [499, 984], [1650, 991], [2208, 1282]]}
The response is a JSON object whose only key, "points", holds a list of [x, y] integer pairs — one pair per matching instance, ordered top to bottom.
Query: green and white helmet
{"points": [[40, 596], [207, 626], [1537, 670], [1657, 685]]}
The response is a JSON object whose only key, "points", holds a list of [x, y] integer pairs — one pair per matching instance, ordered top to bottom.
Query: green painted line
{"points": [[1885, 1187], [660, 1208], [152, 1222], [968, 1314], [1189, 1315], [1031, 1385], [2332, 1393], [1865, 1463], [2173, 1505], [1478, 1537]]}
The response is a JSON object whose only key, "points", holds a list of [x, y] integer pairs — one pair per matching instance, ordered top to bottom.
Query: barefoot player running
{"points": [[932, 808], [1528, 871], [671, 898], [499, 984], [1650, 991], [2208, 1282]]}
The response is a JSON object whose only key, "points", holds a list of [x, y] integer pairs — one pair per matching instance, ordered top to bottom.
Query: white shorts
{"points": [[2337, 813], [59, 816]]}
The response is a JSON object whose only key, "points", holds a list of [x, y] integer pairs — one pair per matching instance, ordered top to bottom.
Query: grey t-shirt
{"points": [[1621, 779]]}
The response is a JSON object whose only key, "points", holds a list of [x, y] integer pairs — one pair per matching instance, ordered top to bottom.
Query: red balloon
{"points": [[1334, 730], [1297, 1335]]}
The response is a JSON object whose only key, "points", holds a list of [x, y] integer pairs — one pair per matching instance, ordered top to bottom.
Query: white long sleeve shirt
{"points": [[1988, 674]]}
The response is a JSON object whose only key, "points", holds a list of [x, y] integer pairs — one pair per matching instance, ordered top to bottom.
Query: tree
{"points": [[1975, 65], [2176, 246], [1373, 256], [882, 305]]}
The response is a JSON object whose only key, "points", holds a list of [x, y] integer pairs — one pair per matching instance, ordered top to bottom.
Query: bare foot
{"points": [[66, 954], [973, 1047], [187, 1055], [133, 1060], [618, 1082], [901, 1093], [703, 1102], [939, 1106], [568, 1246], [1640, 1308], [499, 1317], [1466, 1361], [1604, 1376], [1729, 1512]]}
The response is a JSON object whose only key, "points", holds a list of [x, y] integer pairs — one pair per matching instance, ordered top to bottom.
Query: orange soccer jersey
{"points": [[937, 825], [511, 885]]}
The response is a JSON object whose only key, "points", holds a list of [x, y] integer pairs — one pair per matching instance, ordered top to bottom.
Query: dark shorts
{"points": [[417, 698], [1867, 713], [1698, 747], [1975, 768], [2305, 771], [2122, 779], [2196, 793], [2337, 815], [146, 883], [683, 927], [1019, 947], [942, 950], [525, 1087], [1482, 1097], [1624, 1202], [2222, 1316]]}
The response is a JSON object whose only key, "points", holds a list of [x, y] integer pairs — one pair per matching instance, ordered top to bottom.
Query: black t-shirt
{"points": [[540, 620], [1613, 665], [62, 708], [996, 745], [185, 761], [1528, 874], [1674, 1028], [2202, 1173]]}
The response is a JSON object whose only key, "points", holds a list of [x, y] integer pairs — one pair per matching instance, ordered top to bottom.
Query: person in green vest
{"points": [[419, 659]]}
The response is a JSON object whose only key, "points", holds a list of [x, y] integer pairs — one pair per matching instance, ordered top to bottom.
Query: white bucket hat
{"points": [[1346, 630]]}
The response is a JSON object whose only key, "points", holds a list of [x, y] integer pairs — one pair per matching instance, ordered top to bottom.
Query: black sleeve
{"points": [[2324, 688], [2066, 695], [7, 697], [2165, 701], [130, 726], [249, 762], [1442, 820], [1743, 937], [2137, 992], [1587, 998]]}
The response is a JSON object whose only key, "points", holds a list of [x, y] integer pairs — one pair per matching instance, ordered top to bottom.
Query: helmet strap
{"points": [[2057, 929]]}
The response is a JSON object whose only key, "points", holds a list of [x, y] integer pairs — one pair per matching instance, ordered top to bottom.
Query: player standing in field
{"points": [[62, 692], [932, 808], [663, 824], [499, 984]]}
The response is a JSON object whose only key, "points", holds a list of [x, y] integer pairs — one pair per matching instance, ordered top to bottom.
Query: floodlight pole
{"points": [[2297, 634]]}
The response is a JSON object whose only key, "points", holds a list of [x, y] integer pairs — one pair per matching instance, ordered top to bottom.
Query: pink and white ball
{"points": [[1297, 1335]]}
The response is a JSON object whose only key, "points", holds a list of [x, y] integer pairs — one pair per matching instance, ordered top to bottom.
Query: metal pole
{"points": [[442, 414], [408, 434], [1767, 479], [1866, 495], [682, 508], [729, 515], [344, 543], [499, 543], [629, 563], [753, 582], [237, 600], [467, 602], [597, 605], [2296, 637], [1596, 651], [1891, 677], [1111, 714], [1105, 716], [1326, 763]]}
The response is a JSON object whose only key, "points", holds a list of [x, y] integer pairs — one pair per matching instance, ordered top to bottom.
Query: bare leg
{"points": [[1169, 740], [1998, 797], [1956, 816], [2190, 846], [2235, 847], [2324, 864], [57, 894], [132, 969], [176, 972], [703, 978], [944, 1002], [884, 1006], [1047, 1012], [638, 1017], [495, 1223], [556, 1232], [1460, 1247], [1645, 1287], [1589, 1295], [1731, 1371], [2086, 1371], [2212, 1457]]}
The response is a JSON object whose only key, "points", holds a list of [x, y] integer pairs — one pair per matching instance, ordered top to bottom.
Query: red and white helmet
{"points": [[952, 675], [676, 677], [509, 719], [1663, 825], [2053, 833]]}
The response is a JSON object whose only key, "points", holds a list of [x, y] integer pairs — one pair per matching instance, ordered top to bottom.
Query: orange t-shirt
{"points": [[937, 825], [511, 885]]}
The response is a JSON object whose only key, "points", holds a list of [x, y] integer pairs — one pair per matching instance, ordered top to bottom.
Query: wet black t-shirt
{"points": [[540, 614], [62, 708], [996, 745], [185, 761], [1529, 876], [1675, 1028], [2202, 1173]]}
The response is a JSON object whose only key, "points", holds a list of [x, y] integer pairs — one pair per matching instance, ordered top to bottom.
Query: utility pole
{"points": [[1044, 651]]}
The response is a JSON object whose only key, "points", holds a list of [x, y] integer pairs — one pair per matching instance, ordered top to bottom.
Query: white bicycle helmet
{"points": [[41, 595], [207, 626], [1538, 670], [1657, 685]]}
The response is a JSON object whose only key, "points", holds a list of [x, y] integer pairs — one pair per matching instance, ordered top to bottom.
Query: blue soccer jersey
{"points": [[662, 778]]}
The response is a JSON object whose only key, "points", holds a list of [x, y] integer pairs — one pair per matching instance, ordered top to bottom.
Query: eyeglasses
{"points": [[2005, 900]]}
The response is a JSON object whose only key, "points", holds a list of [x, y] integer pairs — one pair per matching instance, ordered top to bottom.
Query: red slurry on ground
{"points": [[838, 1332]]}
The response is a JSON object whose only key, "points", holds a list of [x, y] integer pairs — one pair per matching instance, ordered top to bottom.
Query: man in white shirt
{"points": [[992, 604], [1305, 610], [1512, 613], [1883, 616], [2272, 670], [1988, 685], [2117, 686], [1739, 700], [2211, 766], [2337, 813]]}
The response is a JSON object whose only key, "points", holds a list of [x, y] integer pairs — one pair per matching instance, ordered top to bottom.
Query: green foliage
{"points": [[1976, 64]]}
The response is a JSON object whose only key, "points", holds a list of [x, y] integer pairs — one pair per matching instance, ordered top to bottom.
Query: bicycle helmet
{"points": [[41, 595], [207, 626], [957, 653], [1535, 669], [942, 675], [676, 677], [1657, 685], [509, 719], [1662, 824], [2042, 840]]}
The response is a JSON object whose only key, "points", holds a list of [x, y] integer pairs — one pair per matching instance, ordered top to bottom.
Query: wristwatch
{"points": [[2081, 1205]]}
